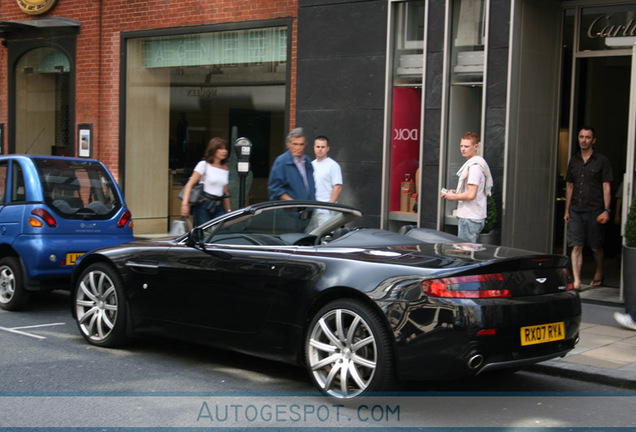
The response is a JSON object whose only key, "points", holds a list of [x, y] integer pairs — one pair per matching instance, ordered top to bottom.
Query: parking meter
{"points": [[243, 147]]}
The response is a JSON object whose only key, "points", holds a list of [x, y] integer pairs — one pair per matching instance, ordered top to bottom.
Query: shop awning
{"points": [[38, 27]]}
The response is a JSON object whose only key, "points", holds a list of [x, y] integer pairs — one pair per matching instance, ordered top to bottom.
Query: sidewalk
{"points": [[605, 354]]}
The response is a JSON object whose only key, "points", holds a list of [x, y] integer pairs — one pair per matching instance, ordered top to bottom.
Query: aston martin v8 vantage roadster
{"points": [[361, 309]]}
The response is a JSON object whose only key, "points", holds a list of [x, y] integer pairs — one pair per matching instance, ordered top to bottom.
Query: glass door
{"points": [[627, 195]]}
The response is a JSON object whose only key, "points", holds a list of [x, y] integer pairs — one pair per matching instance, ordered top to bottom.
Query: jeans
{"points": [[201, 214], [469, 229]]}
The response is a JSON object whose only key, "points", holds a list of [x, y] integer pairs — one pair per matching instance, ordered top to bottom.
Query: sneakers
{"points": [[625, 320]]}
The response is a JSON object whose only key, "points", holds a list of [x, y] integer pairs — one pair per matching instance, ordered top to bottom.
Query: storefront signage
{"points": [[36, 7], [600, 23], [253, 46], [201, 92]]}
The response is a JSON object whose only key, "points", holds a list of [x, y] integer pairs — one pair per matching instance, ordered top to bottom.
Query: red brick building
{"points": [[150, 82]]}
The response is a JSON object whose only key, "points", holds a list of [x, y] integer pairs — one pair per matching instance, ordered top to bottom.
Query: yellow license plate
{"points": [[72, 257], [542, 333]]}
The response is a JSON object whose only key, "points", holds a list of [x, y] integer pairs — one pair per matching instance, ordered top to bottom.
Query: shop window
{"points": [[408, 62], [181, 91], [465, 93], [43, 103]]}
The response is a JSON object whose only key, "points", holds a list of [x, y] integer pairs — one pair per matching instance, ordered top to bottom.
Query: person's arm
{"points": [[276, 183], [187, 190], [335, 193], [469, 195], [226, 199], [568, 199], [607, 200]]}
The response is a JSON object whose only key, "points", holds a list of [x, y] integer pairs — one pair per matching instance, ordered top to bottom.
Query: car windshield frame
{"points": [[279, 225]]}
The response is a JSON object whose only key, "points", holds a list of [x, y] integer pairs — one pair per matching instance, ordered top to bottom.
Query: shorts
{"points": [[583, 229]]}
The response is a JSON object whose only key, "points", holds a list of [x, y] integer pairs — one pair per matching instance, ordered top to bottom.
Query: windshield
{"points": [[78, 189], [279, 226]]}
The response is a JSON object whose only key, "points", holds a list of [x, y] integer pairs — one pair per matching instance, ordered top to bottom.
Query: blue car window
{"points": [[3, 181], [18, 191]]}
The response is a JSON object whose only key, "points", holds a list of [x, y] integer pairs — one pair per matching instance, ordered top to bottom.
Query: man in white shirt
{"points": [[327, 173], [473, 186]]}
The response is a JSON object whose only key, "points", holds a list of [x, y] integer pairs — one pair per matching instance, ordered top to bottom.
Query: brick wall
{"points": [[98, 50]]}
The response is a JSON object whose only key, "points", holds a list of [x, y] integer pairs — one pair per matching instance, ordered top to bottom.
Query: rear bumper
{"points": [[44, 256], [444, 341]]}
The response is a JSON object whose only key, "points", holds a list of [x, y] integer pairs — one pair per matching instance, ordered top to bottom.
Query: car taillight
{"points": [[44, 216], [123, 220], [569, 284], [473, 286]]}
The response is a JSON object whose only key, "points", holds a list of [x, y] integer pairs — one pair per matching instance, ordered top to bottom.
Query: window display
{"points": [[408, 68]]}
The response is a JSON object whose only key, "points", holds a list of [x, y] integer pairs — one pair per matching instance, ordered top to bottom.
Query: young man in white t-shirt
{"points": [[327, 173], [471, 190]]}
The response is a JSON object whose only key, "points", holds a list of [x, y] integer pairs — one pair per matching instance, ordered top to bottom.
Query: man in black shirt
{"points": [[587, 204]]}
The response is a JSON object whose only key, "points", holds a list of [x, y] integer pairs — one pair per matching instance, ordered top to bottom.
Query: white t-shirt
{"points": [[327, 174], [214, 179], [474, 209]]}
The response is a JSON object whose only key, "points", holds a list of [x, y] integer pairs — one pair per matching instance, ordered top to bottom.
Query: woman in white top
{"points": [[213, 172]]}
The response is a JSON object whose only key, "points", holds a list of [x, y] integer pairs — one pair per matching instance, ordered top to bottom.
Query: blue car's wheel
{"points": [[13, 296], [100, 306], [348, 350]]}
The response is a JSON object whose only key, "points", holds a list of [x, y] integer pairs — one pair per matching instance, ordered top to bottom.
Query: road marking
{"points": [[17, 330]]}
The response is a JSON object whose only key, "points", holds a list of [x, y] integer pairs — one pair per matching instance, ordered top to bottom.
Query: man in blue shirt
{"points": [[292, 175]]}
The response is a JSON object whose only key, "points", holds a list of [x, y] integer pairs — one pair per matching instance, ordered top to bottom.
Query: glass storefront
{"points": [[181, 91], [465, 92], [406, 97], [43, 103], [462, 106]]}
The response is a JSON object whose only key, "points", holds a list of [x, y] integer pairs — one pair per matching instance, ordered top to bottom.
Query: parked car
{"points": [[53, 210], [362, 309]]}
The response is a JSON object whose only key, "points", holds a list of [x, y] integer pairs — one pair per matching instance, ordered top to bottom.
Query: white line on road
{"points": [[16, 330]]}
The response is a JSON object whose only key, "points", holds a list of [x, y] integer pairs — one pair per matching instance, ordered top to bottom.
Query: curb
{"points": [[622, 379]]}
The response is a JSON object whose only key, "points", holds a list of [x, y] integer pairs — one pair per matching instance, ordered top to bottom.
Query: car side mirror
{"points": [[196, 238]]}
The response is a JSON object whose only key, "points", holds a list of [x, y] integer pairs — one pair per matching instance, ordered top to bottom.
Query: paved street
{"points": [[51, 377]]}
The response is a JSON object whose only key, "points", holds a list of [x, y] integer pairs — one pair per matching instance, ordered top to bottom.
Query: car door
{"points": [[13, 197], [224, 287]]}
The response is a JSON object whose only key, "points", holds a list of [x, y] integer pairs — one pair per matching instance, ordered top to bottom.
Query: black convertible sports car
{"points": [[362, 309]]}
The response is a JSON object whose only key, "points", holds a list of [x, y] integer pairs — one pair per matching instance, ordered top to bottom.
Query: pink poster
{"points": [[405, 141]]}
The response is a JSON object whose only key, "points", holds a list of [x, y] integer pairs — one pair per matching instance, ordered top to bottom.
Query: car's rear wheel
{"points": [[13, 296], [100, 306], [348, 350]]}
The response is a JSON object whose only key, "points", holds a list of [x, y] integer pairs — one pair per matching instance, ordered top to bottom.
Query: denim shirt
{"points": [[285, 178]]}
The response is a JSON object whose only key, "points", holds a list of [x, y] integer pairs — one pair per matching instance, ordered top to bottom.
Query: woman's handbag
{"points": [[196, 194]]}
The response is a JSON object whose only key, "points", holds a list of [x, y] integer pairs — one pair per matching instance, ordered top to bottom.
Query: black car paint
{"points": [[260, 302]]}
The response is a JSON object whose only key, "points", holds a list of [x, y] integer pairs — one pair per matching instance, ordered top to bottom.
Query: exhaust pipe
{"points": [[475, 361]]}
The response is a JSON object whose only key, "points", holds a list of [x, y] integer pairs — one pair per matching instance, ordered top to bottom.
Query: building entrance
{"points": [[596, 83]]}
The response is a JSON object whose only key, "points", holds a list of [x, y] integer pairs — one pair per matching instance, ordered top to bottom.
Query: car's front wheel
{"points": [[13, 296], [100, 306], [348, 350]]}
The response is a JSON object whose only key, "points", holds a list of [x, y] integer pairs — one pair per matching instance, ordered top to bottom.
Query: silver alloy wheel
{"points": [[7, 284], [96, 305], [342, 353]]}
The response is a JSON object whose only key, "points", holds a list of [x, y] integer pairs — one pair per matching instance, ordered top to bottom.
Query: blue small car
{"points": [[52, 211]]}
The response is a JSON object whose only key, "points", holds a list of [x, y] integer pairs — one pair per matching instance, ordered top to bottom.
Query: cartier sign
{"points": [[600, 23], [601, 27]]}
